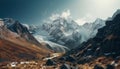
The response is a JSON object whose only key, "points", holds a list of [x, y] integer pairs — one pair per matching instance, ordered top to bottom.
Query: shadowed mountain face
{"points": [[20, 29], [16, 43], [105, 43]]}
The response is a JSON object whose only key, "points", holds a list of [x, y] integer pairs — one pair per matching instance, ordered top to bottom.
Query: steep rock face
{"points": [[20, 29], [61, 31], [67, 32], [5, 33], [111, 35], [105, 43]]}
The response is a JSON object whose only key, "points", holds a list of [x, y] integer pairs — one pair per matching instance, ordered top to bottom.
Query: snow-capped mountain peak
{"points": [[67, 32]]}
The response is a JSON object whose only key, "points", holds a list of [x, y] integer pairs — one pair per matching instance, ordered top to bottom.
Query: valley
{"points": [[60, 44]]}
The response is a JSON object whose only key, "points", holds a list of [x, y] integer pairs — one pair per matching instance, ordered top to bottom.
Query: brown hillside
{"points": [[10, 51]]}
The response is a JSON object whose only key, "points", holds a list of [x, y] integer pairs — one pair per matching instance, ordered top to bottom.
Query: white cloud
{"points": [[65, 14], [54, 16]]}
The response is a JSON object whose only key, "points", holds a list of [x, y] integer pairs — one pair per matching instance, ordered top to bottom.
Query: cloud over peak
{"points": [[65, 14]]}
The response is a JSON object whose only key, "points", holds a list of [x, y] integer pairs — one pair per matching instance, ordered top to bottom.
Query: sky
{"points": [[37, 11]]}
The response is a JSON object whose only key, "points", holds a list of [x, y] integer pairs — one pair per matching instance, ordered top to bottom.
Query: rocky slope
{"points": [[105, 43], [15, 47]]}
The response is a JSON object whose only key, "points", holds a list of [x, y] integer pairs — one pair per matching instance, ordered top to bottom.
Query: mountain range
{"points": [[66, 32], [91, 44]]}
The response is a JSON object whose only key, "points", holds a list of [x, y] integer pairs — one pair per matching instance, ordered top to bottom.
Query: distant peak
{"points": [[116, 13], [98, 19]]}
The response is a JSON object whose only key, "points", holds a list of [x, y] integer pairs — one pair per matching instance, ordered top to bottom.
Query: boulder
{"points": [[50, 62], [65, 66], [110, 66], [98, 67]]}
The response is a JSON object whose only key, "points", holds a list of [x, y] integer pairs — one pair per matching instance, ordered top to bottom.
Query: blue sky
{"points": [[36, 11]]}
